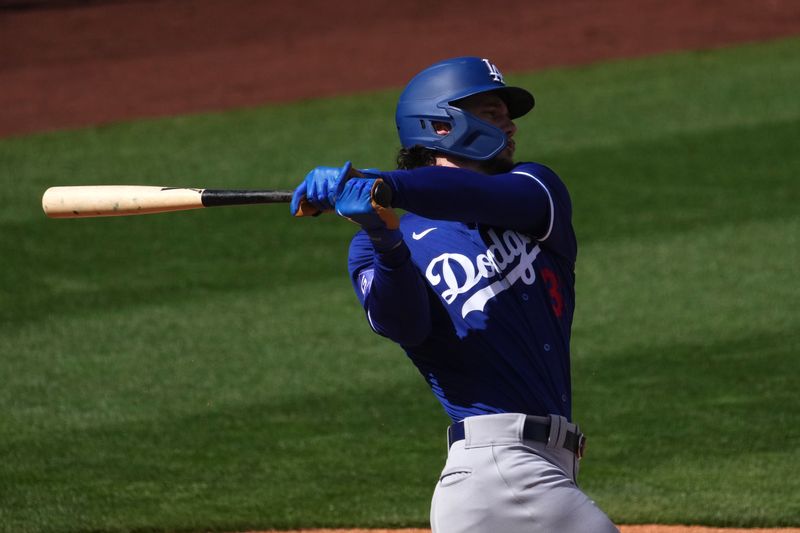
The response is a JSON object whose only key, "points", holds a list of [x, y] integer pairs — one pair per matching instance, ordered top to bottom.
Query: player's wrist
{"points": [[384, 239]]}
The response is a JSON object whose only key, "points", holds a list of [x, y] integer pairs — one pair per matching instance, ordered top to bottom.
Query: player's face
{"points": [[492, 109]]}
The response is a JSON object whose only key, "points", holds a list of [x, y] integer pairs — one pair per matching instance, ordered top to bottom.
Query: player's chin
{"points": [[501, 163]]}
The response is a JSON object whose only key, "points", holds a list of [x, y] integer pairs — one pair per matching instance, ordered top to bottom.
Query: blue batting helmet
{"points": [[429, 97]]}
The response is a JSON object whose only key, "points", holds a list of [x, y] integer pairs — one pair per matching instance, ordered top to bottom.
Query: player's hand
{"points": [[317, 193], [367, 203]]}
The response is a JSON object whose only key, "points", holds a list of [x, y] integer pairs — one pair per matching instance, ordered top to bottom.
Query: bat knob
{"points": [[382, 193]]}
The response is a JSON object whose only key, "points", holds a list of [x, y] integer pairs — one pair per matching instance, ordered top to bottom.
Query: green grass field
{"points": [[212, 370]]}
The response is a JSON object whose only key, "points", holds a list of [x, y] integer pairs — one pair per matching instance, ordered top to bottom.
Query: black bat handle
{"points": [[382, 194], [218, 197]]}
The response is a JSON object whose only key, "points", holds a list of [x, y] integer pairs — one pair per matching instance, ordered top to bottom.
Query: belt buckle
{"points": [[581, 445]]}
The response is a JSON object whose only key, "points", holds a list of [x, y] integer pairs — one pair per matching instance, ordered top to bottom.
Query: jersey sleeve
{"points": [[531, 199], [559, 234], [391, 291]]}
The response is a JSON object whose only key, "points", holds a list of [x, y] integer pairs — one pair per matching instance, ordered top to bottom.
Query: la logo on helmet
{"points": [[494, 73]]}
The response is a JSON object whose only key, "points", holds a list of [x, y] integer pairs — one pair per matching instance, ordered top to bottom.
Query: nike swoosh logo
{"points": [[417, 236]]}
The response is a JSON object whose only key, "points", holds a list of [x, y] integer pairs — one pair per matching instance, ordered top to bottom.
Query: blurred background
{"points": [[69, 63], [212, 370]]}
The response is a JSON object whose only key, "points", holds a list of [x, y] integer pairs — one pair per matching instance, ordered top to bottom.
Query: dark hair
{"points": [[419, 156], [415, 157]]}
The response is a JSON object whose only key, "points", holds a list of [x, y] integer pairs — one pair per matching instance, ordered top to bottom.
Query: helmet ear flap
{"points": [[468, 137], [471, 137]]}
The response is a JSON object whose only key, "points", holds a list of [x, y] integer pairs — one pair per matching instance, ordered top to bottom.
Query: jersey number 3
{"points": [[551, 282]]}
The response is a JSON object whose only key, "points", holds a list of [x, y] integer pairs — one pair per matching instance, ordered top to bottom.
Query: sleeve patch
{"points": [[365, 280]]}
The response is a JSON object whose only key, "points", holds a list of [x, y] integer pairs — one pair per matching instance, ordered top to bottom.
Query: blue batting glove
{"points": [[372, 173], [318, 190], [356, 201]]}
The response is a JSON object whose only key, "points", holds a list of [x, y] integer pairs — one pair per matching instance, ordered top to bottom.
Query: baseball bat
{"points": [[121, 200], [83, 201]]}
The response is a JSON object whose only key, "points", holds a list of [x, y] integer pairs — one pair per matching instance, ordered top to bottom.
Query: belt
{"points": [[532, 430]]}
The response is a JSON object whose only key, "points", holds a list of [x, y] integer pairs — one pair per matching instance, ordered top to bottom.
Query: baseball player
{"points": [[476, 284]]}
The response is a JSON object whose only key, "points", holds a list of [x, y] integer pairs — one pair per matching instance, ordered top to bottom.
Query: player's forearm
{"points": [[507, 200], [395, 297], [398, 304]]}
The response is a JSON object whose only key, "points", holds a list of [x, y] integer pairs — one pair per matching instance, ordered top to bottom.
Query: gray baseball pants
{"points": [[495, 481]]}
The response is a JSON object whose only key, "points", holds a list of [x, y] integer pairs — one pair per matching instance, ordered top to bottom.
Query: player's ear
{"points": [[441, 128]]}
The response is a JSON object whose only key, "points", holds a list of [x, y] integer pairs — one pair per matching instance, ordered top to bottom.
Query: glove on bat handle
{"points": [[381, 194]]}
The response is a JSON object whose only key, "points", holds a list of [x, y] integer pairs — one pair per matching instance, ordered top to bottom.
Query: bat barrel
{"points": [[116, 200]]}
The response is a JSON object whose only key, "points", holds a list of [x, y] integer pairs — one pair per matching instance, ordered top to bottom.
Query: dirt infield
{"points": [[67, 63], [623, 529]]}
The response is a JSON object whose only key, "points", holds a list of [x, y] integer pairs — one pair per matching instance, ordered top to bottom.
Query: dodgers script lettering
{"points": [[461, 274]]}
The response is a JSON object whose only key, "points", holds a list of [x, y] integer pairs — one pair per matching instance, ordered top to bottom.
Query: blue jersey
{"points": [[481, 294]]}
